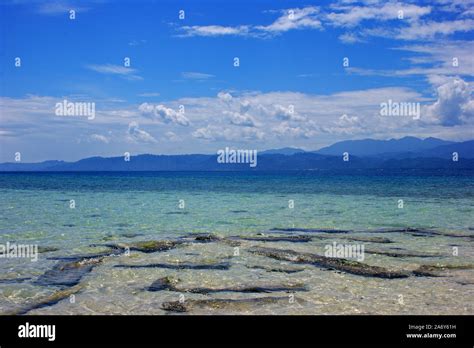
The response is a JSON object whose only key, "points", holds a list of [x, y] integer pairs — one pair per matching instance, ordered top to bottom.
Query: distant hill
{"points": [[371, 147], [464, 150], [288, 151], [403, 154], [276, 162]]}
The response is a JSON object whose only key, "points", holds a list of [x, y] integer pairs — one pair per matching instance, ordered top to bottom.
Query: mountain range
{"points": [[393, 154]]}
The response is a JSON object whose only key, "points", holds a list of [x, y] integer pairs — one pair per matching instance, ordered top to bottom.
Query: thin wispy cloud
{"points": [[290, 19], [395, 20], [213, 30], [111, 69], [196, 75], [149, 94]]}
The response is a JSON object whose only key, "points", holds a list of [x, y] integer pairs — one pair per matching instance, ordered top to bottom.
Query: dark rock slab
{"points": [[314, 230], [419, 232], [131, 235], [351, 237], [292, 239], [144, 246], [43, 249], [402, 253], [79, 257], [182, 265], [343, 265], [275, 269], [438, 270], [67, 274], [13, 280], [168, 283], [46, 301], [226, 304]]}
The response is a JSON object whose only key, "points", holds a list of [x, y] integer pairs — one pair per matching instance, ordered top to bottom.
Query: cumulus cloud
{"points": [[224, 96], [454, 106], [281, 112], [164, 114], [240, 119], [284, 129], [216, 133], [135, 134]]}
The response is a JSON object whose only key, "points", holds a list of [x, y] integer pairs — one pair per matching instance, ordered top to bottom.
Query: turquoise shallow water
{"points": [[120, 207]]}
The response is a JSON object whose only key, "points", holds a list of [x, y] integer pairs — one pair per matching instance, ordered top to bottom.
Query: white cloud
{"points": [[59, 7], [350, 16], [291, 19], [431, 29], [213, 30], [350, 38], [127, 73], [196, 76], [149, 94], [224, 96], [454, 106], [284, 113], [164, 114], [239, 119], [284, 129], [217, 133], [135, 134], [171, 136], [100, 138]]}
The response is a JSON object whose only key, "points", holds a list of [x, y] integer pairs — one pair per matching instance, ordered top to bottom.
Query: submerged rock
{"points": [[317, 230], [418, 232], [131, 235], [206, 237], [351, 237], [292, 239], [370, 239], [144, 246], [42, 249], [401, 253], [79, 257], [182, 265], [343, 265], [276, 269], [438, 270], [67, 274], [13, 280], [165, 283], [169, 283], [46, 301], [227, 304]]}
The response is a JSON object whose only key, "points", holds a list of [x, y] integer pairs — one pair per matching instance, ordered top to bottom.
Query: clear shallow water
{"points": [[112, 207]]}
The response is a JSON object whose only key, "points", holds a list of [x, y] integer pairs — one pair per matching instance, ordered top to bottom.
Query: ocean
{"points": [[427, 218]]}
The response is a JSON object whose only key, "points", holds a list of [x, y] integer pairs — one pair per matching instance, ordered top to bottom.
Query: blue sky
{"points": [[291, 88]]}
